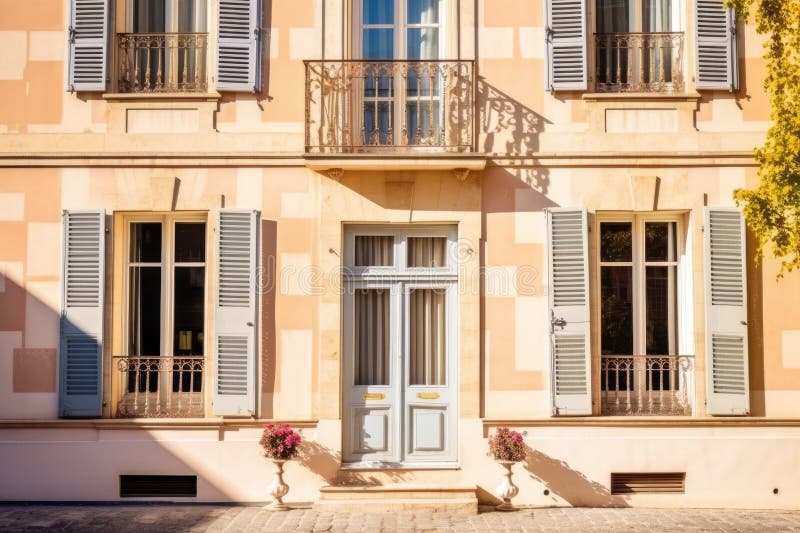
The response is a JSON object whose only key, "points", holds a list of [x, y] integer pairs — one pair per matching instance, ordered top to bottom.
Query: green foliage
{"points": [[772, 210]]}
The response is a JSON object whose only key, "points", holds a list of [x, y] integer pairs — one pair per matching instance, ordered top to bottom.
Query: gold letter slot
{"points": [[428, 395], [373, 396]]}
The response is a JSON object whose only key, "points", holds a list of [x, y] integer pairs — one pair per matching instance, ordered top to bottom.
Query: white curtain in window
{"points": [[656, 15], [374, 250], [427, 251], [372, 337], [427, 337]]}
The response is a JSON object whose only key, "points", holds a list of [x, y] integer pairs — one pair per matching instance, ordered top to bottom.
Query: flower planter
{"points": [[278, 488], [506, 489]]}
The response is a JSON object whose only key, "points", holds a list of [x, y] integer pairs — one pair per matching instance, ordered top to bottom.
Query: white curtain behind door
{"points": [[427, 329]]}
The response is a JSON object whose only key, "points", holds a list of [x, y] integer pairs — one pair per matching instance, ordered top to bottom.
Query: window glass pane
{"points": [[378, 11], [423, 11], [657, 15], [149, 16], [191, 16], [612, 16], [423, 43], [378, 44], [424, 122], [378, 131], [659, 241], [146, 242], [190, 242], [616, 243], [374, 250], [427, 251], [144, 297], [661, 310], [189, 311], [616, 311], [428, 334], [371, 336]]}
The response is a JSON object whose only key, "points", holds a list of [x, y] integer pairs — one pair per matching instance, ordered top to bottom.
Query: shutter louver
{"points": [[88, 41], [566, 45], [239, 49], [717, 61], [567, 248], [236, 312], [726, 313], [81, 332]]}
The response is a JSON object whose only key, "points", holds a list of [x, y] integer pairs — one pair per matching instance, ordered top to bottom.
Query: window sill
{"points": [[211, 96], [605, 97], [645, 421], [151, 423], [389, 465]]}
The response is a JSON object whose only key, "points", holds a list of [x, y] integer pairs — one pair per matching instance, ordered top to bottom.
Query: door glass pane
{"points": [[378, 11], [423, 11], [656, 15], [149, 16], [191, 16], [613, 16], [378, 43], [423, 43], [424, 122], [378, 123], [660, 241], [145, 242], [190, 242], [616, 243], [374, 250], [427, 252], [189, 310], [661, 310], [616, 311], [144, 314], [371, 336], [427, 339]]}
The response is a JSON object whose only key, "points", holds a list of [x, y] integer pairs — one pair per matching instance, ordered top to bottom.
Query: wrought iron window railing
{"points": [[162, 62], [639, 62], [359, 106], [646, 384], [154, 387]]}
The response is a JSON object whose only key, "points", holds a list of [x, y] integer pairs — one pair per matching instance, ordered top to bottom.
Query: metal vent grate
{"points": [[648, 483], [157, 486]]}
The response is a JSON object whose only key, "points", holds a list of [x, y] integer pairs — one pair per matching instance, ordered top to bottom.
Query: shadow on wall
{"points": [[506, 127], [326, 464], [568, 484]]}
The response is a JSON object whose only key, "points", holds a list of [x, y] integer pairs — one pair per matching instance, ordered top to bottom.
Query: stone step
{"points": [[392, 498]]}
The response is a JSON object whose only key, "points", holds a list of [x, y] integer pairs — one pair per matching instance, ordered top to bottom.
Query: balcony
{"points": [[639, 62], [152, 63], [389, 106], [641, 385], [157, 387]]}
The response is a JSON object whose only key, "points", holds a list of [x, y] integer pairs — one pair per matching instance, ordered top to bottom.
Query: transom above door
{"points": [[400, 345]]}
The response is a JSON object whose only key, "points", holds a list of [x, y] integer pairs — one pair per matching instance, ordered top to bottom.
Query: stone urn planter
{"points": [[280, 443], [278, 488], [506, 489]]}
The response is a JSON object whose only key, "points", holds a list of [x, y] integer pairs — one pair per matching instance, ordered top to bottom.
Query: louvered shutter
{"points": [[88, 40], [566, 45], [239, 50], [717, 61], [568, 272], [82, 298], [235, 312], [727, 383]]}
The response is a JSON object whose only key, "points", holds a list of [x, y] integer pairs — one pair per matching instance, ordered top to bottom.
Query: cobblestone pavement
{"points": [[213, 518]]}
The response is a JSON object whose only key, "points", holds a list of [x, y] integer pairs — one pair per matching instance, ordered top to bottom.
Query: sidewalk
{"points": [[213, 518]]}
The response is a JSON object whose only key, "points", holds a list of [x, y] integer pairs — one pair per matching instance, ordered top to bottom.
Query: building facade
{"points": [[396, 225]]}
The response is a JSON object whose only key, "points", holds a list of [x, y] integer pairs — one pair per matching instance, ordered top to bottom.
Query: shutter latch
{"points": [[71, 34], [556, 322]]}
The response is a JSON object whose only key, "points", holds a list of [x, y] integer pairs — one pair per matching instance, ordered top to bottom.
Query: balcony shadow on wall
{"points": [[505, 126], [266, 291], [326, 464], [568, 484]]}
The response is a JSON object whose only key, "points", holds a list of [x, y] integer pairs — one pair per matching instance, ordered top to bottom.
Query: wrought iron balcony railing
{"points": [[162, 62], [639, 62], [360, 106], [646, 384], [160, 386]]}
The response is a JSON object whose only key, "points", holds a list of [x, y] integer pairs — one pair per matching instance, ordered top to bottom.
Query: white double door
{"points": [[400, 372]]}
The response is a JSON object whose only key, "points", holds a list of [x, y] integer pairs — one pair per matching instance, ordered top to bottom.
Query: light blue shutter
{"points": [[88, 40], [566, 45], [239, 50], [717, 59], [568, 294], [82, 298], [236, 312], [727, 379]]}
